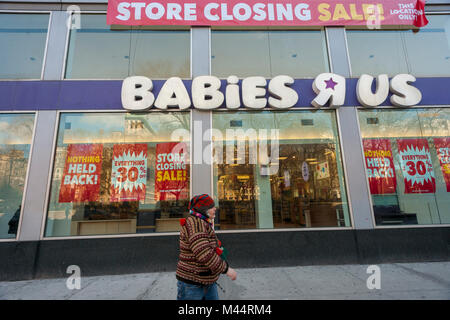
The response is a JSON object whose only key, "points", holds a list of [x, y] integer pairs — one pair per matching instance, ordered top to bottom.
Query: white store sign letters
{"points": [[330, 91]]}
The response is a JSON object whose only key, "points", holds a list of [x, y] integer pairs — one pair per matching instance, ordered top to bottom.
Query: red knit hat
{"points": [[201, 203]]}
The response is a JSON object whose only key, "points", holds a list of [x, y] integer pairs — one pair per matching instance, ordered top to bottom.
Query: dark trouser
{"points": [[188, 291]]}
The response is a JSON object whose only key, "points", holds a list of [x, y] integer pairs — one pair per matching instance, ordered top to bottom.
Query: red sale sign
{"points": [[266, 13], [443, 152], [415, 161], [380, 166], [129, 172], [81, 177], [171, 181]]}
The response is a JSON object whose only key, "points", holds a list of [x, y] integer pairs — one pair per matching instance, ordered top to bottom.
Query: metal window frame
{"points": [[98, 12], [428, 13], [322, 29], [44, 58], [34, 113], [50, 178], [346, 188], [375, 226], [416, 226]]}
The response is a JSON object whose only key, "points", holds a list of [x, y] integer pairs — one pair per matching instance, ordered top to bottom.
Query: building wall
{"points": [[32, 255]]}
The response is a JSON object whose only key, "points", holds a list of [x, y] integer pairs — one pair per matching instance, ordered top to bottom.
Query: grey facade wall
{"points": [[30, 256]]}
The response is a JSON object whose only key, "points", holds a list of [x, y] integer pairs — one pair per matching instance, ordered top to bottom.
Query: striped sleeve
{"points": [[205, 254]]}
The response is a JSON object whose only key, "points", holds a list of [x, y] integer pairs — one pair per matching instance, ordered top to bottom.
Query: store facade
{"points": [[106, 133]]}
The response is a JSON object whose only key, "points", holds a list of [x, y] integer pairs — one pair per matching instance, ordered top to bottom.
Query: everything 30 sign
{"points": [[266, 13]]}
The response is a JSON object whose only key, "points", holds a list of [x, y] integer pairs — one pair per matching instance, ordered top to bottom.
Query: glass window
{"points": [[22, 42], [402, 51], [98, 52], [299, 54], [16, 131], [407, 155], [278, 170], [117, 173]]}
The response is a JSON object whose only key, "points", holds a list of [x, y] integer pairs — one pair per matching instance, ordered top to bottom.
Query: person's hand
{"points": [[231, 273]]}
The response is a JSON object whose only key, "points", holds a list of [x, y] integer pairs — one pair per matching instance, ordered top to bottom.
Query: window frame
{"points": [[104, 12], [388, 28], [322, 29], [44, 58], [52, 164], [344, 169], [25, 186], [415, 226]]}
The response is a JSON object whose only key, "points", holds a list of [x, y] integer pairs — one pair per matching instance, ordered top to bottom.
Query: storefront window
{"points": [[22, 41], [402, 51], [98, 52], [299, 54], [16, 131], [407, 155], [278, 170], [117, 173]]}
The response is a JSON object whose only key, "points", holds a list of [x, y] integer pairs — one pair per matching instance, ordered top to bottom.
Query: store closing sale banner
{"points": [[266, 13], [443, 151], [171, 171], [81, 177]]}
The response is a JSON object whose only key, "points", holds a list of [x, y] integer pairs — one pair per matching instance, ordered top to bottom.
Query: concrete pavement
{"points": [[398, 281]]}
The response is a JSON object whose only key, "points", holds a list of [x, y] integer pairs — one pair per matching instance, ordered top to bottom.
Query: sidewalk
{"points": [[398, 281]]}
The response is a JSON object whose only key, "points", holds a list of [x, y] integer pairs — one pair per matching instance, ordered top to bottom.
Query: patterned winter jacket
{"points": [[199, 263]]}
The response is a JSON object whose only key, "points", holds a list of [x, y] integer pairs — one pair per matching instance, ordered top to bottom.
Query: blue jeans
{"points": [[188, 291]]}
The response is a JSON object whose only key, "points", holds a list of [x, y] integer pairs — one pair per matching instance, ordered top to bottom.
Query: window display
{"points": [[408, 164], [119, 173], [303, 185]]}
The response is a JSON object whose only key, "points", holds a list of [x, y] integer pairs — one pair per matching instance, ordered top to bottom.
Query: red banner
{"points": [[266, 13], [443, 151], [415, 160], [380, 166], [129, 172], [171, 174], [81, 177]]}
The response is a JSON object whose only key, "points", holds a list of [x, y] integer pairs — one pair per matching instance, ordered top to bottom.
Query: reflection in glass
{"points": [[22, 41], [402, 51], [98, 52], [268, 53], [16, 132], [420, 147], [106, 178], [305, 189]]}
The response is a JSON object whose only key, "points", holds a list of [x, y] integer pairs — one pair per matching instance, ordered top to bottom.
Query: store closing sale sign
{"points": [[266, 13], [443, 152], [380, 166], [417, 168], [171, 171], [129, 172], [81, 178]]}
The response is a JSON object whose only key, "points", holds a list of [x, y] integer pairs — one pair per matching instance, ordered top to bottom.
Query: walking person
{"points": [[202, 258]]}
